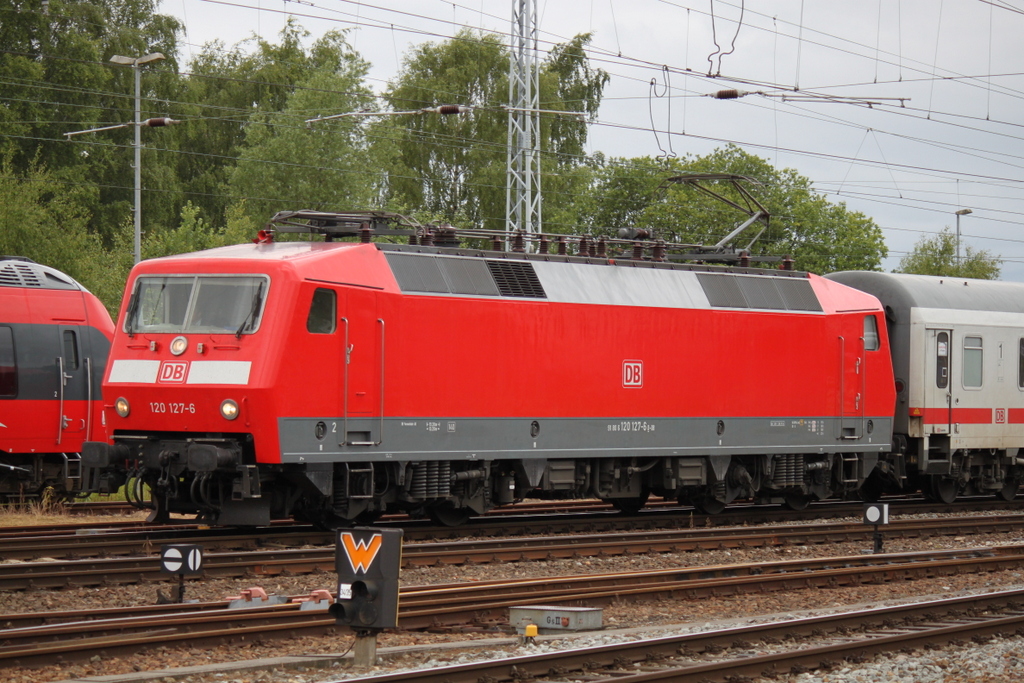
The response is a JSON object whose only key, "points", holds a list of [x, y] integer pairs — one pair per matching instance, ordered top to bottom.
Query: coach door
{"points": [[851, 352], [938, 385], [74, 387], [363, 398]]}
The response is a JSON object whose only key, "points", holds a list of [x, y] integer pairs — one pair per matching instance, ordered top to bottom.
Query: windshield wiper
{"points": [[257, 299], [129, 315]]}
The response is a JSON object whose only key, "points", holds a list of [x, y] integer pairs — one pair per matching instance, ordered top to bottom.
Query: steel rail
{"points": [[271, 561], [479, 605], [858, 633]]}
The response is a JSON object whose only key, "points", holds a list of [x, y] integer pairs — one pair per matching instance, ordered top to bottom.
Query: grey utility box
{"points": [[553, 620]]}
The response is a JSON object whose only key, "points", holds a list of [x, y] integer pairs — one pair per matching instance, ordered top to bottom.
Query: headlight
{"points": [[179, 345], [122, 407], [228, 409]]}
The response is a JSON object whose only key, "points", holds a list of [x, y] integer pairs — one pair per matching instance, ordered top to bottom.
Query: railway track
{"points": [[74, 541], [264, 560], [30, 640], [770, 650]]}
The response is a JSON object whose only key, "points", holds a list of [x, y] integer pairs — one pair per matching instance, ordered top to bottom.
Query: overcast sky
{"points": [[946, 79]]}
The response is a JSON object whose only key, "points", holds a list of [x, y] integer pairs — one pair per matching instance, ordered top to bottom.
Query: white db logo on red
{"points": [[173, 371], [632, 373]]}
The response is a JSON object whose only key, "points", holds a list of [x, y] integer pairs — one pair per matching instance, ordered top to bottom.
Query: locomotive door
{"points": [[938, 384], [363, 385], [74, 388], [851, 390]]}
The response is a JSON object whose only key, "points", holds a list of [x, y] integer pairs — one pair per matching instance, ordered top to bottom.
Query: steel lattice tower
{"points": [[522, 192]]}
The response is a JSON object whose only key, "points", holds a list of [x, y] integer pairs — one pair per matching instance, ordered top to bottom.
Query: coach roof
{"points": [[901, 291]]}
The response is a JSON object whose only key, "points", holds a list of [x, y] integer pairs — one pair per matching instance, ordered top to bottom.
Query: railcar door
{"points": [[851, 380], [74, 385], [938, 385], [363, 398]]}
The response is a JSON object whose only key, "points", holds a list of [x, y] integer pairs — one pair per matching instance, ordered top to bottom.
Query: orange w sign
{"points": [[361, 554]]}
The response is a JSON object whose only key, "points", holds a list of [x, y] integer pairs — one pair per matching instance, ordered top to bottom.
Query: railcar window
{"points": [[224, 304], [321, 311], [871, 342], [70, 350], [942, 360], [972, 361], [8, 364], [1020, 365]]}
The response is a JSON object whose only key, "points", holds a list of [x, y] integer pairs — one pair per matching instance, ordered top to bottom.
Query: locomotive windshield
{"points": [[215, 304]]}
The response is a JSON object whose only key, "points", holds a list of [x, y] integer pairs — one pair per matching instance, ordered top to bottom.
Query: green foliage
{"points": [[243, 150], [285, 164], [454, 166], [822, 237], [937, 256]]}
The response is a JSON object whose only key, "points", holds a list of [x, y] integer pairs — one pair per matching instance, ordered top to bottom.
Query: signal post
{"points": [[368, 562]]}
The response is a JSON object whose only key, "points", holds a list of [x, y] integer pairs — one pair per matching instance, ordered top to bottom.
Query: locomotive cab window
{"points": [[215, 304], [322, 311], [871, 342], [973, 362], [8, 364]]}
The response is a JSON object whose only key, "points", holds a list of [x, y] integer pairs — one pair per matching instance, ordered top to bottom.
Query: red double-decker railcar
{"points": [[54, 340], [335, 380]]}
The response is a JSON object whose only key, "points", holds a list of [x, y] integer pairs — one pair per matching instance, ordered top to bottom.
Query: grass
{"points": [[50, 509]]}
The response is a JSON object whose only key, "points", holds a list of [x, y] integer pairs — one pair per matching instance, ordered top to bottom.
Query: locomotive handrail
{"points": [[344, 388], [88, 393], [60, 403]]}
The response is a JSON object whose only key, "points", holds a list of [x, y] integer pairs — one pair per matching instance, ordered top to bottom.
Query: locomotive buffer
{"points": [[368, 561]]}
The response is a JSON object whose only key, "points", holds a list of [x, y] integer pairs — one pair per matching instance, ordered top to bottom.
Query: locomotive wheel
{"points": [[942, 490], [1009, 491], [796, 501], [709, 505], [630, 506], [447, 515]]}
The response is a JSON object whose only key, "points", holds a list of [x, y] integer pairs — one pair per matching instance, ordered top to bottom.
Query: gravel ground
{"points": [[998, 660]]}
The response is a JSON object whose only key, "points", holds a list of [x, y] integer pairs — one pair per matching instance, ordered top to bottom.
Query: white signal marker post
{"points": [[877, 514], [181, 559]]}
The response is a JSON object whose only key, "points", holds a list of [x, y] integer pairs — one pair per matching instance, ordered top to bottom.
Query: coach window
{"points": [[322, 311], [870, 333], [70, 350], [942, 360], [972, 362], [8, 365], [1020, 365]]}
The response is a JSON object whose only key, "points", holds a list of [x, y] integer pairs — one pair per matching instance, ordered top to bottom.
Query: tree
{"points": [[57, 78], [286, 164], [453, 167], [42, 221], [821, 236], [937, 256]]}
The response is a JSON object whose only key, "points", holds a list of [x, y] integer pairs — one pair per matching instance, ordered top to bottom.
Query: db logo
{"points": [[173, 371], [632, 373], [1000, 416]]}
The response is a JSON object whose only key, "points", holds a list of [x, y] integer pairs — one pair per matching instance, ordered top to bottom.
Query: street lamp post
{"points": [[135, 63], [961, 212]]}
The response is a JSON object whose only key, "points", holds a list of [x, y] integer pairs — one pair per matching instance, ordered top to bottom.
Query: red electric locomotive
{"points": [[54, 340], [334, 380]]}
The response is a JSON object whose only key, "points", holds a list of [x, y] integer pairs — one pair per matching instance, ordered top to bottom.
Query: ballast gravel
{"points": [[318, 659]]}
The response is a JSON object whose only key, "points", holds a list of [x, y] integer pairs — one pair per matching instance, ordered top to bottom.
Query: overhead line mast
{"points": [[522, 191]]}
